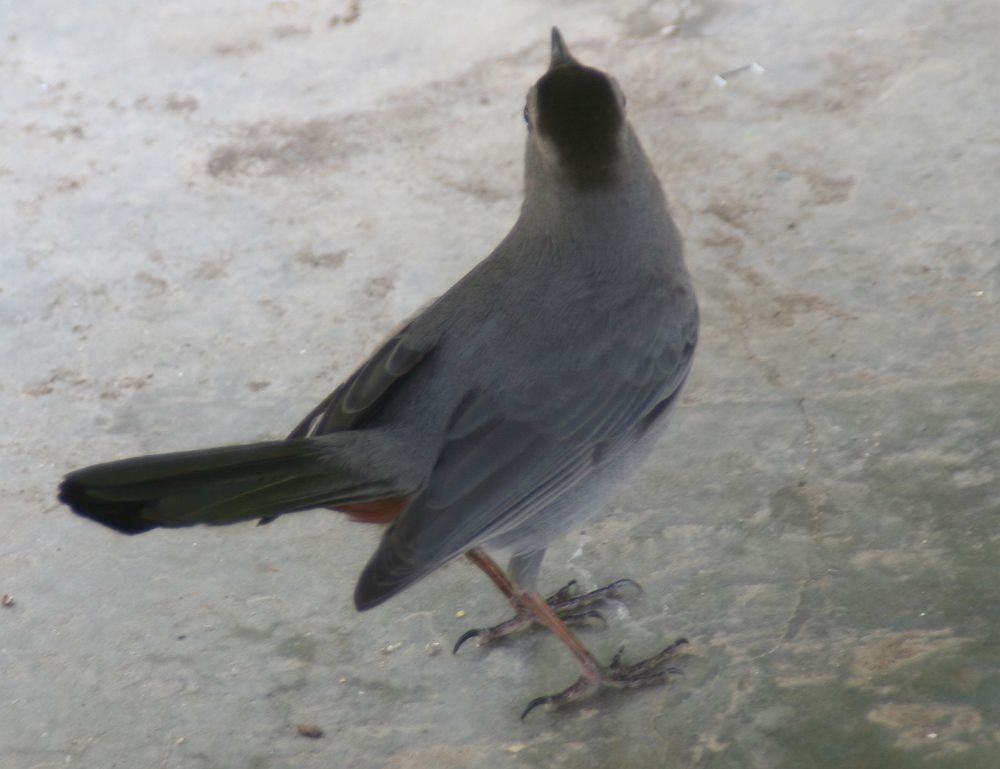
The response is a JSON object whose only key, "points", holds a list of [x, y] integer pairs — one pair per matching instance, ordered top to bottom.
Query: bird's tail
{"points": [[230, 484]]}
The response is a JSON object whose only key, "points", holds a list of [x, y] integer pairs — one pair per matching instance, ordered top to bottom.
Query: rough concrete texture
{"points": [[211, 212]]}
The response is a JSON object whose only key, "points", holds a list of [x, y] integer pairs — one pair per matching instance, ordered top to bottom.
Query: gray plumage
{"points": [[512, 407]]}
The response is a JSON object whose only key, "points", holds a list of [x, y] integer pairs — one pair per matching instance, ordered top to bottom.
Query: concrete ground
{"points": [[211, 212]]}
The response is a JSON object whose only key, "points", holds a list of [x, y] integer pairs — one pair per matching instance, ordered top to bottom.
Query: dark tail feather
{"points": [[226, 485]]}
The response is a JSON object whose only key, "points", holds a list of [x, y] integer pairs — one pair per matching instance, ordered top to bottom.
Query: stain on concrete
{"points": [[349, 16], [237, 48], [178, 103], [283, 148], [329, 260], [380, 287], [894, 650], [935, 727]]}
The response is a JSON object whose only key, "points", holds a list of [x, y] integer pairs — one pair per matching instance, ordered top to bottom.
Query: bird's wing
{"points": [[359, 397], [349, 406], [509, 453]]}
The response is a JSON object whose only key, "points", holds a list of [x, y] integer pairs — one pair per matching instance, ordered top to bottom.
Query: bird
{"points": [[502, 416]]}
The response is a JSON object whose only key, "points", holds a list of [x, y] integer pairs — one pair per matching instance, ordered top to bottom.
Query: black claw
{"points": [[615, 586], [567, 591], [569, 599], [583, 616], [465, 637], [616, 661], [536, 702]]}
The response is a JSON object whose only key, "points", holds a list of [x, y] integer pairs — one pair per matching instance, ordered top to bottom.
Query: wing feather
{"points": [[358, 397], [504, 462]]}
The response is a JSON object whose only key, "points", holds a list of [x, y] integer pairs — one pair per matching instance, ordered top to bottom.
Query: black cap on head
{"points": [[578, 111]]}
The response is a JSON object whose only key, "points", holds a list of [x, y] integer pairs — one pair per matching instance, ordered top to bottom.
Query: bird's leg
{"points": [[530, 606], [572, 606]]}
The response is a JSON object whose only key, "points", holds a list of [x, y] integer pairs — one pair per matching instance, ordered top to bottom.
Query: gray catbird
{"points": [[503, 415]]}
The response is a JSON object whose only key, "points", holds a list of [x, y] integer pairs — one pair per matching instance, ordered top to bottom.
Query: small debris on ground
{"points": [[722, 79], [312, 731]]}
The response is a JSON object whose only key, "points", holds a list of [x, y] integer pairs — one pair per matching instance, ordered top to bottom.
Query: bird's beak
{"points": [[560, 52]]}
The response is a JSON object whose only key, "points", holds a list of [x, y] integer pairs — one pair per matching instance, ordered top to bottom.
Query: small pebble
{"points": [[312, 731]]}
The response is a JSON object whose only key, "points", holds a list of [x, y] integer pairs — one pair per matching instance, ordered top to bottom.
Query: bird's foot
{"points": [[569, 604], [616, 675]]}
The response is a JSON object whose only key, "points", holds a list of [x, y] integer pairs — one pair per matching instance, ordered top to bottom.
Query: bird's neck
{"points": [[629, 204]]}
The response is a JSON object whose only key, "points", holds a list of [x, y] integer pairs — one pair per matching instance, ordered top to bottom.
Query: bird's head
{"points": [[576, 119]]}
